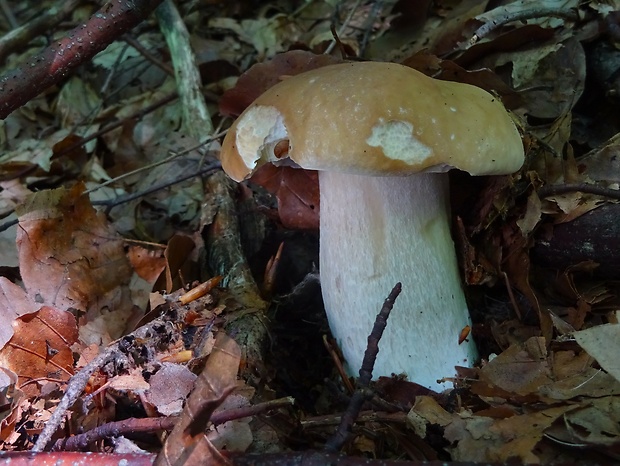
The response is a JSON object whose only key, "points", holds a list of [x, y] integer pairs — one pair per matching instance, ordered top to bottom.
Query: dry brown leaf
{"points": [[262, 76], [297, 192], [532, 215], [69, 255], [147, 263], [177, 263], [14, 302], [40, 349], [521, 369], [134, 382], [589, 382], [169, 388], [12, 401], [425, 411], [596, 422], [234, 435], [489, 440]]}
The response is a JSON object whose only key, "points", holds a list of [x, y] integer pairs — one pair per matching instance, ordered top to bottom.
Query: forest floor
{"points": [[160, 312]]}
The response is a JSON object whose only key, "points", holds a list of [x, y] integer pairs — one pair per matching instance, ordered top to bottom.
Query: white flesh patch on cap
{"points": [[258, 132], [397, 141]]}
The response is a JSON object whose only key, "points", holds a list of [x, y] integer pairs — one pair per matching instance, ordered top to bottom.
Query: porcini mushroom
{"points": [[382, 136]]}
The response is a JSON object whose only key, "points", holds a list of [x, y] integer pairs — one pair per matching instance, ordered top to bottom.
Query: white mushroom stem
{"points": [[375, 232]]}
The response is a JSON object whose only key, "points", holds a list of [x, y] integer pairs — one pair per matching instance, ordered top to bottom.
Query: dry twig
{"points": [[363, 393]]}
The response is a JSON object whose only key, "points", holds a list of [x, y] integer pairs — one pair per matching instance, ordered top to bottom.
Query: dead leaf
{"points": [[262, 76], [297, 192], [69, 255], [147, 263], [177, 263], [14, 302], [603, 344], [40, 349], [520, 369], [169, 388], [596, 422], [481, 439]]}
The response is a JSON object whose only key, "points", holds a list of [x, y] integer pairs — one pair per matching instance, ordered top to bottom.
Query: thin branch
{"points": [[503, 15], [343, 28], [19, 37], [148, 55], [58, 60], [196, 118], [557, 189], [111, 203], [113, 353], [75, 387], [363, 393], [155, 424]]}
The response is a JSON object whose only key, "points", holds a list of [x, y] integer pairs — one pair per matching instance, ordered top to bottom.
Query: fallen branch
{"points": [[518, 11], [19, 37], [58, 60], [155, 424]]}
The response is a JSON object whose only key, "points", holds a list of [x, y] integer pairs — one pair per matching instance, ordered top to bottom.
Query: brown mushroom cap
{"points": [[374, 118]]}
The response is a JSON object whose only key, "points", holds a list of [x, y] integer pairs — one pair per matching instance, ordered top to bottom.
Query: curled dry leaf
{"points": [[177, 261], [147, 263]]}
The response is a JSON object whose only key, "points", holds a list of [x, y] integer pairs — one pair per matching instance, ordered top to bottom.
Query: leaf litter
{"points": [[92, 275]]}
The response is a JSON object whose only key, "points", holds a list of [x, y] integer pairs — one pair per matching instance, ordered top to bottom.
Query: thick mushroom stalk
{"points": [[376, 231]]}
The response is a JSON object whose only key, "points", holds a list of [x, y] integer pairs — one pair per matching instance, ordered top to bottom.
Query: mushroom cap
{"points": [[373, 118]]}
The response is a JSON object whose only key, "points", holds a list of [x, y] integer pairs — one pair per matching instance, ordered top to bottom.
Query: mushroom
{"points": [[382, 136]]}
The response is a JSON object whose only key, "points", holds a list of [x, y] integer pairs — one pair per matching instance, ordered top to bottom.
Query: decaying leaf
{"points": [[297, 192], [69, 256], [14, 302], [603, 344], [40, 349], [521, 369], [169, 388], [481, 439]]}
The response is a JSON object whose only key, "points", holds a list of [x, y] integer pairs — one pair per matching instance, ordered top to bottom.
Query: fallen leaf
{"points": [[262, 76], [297, 192], [69, 255], [147, 263], [14, 302], [603, 344], [40, 349], [520, 369], [169, 387], [596, 422], [481, 439]]}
